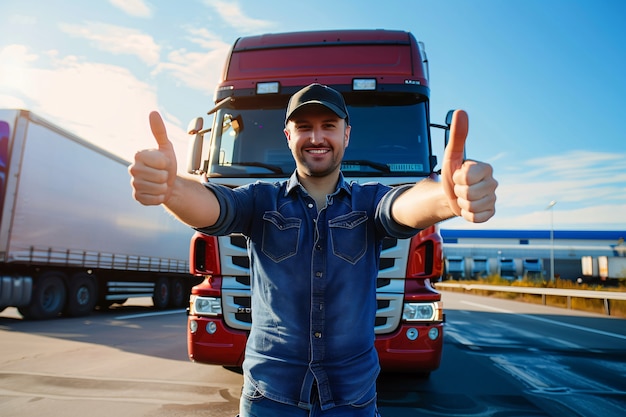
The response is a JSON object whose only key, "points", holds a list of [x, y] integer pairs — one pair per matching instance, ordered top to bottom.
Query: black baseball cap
{"points": [[318, 94]]}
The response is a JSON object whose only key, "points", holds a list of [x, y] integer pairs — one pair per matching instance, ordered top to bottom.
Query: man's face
{"points": [[317, 138]]}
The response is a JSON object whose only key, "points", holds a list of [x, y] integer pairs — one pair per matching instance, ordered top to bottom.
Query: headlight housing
{"points": [[206, 306], [423, 312]]}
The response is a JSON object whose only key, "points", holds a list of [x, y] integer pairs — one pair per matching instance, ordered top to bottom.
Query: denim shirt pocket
{"points": [[348, 235], [280, 236]]}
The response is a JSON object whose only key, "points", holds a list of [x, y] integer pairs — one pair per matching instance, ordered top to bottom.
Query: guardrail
{"points": [[607, 296]]}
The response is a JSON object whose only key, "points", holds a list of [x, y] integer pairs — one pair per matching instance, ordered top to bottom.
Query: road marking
{"points": [[499, 310], [152, 314], [571, 326], [456, 336], [565, 343], [520, 373], [547, 374], [99, 378], [106, 398]]}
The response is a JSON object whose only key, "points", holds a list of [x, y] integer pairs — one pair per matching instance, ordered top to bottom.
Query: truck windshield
{"points": [[386, 140]]}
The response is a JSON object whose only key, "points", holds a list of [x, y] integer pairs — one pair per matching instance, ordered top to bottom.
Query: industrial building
{"points": [[518, 253]]}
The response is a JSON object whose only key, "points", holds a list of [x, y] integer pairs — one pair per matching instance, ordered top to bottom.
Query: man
{"points": [[314, 243]]}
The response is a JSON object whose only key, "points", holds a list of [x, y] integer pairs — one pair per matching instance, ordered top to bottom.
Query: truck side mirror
{"points": [[448, 123], [446, 128], [194, 152], [433, 163]]}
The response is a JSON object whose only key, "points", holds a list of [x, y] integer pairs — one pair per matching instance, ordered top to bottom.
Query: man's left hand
{"points": [[469, 185]]}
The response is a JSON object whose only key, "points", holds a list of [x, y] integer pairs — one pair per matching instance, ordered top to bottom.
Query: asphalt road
{"points": [[501, 358], [506, 358]]}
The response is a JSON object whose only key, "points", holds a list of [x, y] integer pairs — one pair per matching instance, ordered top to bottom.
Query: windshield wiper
{"points": [[376, 165], [274, 168]]}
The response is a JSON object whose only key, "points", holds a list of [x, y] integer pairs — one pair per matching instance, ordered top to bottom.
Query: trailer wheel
{"points": [[178, 293], [82, 295], [161, 295], [48, 297]]}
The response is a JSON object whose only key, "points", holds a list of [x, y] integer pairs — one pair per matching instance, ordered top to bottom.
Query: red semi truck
{"points": [[383, 76]]}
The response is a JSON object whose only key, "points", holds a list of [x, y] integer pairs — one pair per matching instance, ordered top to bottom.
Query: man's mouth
{"points": [[317, 151]]}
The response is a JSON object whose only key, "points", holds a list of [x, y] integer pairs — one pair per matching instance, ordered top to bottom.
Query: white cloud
{"points": [[137, 8], [232, 14], [21, 19], [204, 38], [117, 40], [14, 59], [197, 69], [11, 102], [104, 104], [496, 157], [577, 164], [577, 176], [589, 187], [599, 217]]}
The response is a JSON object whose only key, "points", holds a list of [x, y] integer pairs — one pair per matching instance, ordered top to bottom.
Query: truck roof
{"points": [[327, 37], [330, 57]]}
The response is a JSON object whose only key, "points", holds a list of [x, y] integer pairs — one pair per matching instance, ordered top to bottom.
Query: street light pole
{"points": [[550, 207]]}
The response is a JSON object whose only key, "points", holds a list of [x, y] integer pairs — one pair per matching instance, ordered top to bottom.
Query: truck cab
{"points": [[383, 76]]}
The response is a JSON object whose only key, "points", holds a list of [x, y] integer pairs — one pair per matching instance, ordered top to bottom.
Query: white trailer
{"points": [[71, 235], [603, 268]]}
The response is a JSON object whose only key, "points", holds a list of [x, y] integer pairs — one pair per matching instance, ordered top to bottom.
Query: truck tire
{"points": [[178, 293], [81, 295], [161, 295], [48, 298]]}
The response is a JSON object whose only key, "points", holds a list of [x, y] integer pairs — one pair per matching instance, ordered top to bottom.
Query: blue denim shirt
{"points": [[313, 283]]}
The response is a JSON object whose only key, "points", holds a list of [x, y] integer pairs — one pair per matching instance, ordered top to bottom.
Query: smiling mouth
{"points": [[317, 151]]}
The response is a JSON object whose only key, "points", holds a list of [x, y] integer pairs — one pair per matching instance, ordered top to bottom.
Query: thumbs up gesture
{"points": [[154, 171], [468, 185]]}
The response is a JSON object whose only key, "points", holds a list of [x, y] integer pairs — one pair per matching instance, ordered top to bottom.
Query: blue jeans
{"points": [[258, 406], [268, 408]]}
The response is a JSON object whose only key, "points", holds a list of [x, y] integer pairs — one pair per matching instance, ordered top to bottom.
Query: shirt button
{"points": [[310, 205], [318, 274], [317, 335]]}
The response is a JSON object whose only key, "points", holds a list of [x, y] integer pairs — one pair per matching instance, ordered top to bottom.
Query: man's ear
{"points": [[346, 133], [288, 136]]}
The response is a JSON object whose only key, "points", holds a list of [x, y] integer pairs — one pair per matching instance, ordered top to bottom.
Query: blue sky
{"points": [[542, 80]]}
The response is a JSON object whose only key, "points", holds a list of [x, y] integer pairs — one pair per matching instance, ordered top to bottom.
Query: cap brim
{"points": [[335, 109]]}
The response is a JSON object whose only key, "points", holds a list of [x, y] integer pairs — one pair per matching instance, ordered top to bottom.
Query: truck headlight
{"points": [[206, 306], [422, 311]]}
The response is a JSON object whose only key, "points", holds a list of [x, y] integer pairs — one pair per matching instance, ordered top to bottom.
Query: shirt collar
{"points": [[293, 183]]}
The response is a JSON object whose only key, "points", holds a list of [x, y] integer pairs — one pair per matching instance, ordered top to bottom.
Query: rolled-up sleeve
{"points": [[228, 211], [386, 220]]}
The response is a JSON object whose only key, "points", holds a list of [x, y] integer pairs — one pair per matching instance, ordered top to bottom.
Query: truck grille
{"points": [[236, 283]]}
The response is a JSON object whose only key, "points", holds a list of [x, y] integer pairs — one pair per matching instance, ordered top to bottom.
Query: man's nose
{"points": [[316, 136]]}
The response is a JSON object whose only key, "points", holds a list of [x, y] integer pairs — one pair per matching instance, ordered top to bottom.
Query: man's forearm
{"points": [[192, 203], [422, 205]]}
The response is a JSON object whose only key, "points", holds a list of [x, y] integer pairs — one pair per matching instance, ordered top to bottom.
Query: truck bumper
{"points": [[218, 346], [398, 353]]}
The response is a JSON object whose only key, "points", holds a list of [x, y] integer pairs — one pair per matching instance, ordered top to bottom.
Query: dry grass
{"points": [[617, 307]]}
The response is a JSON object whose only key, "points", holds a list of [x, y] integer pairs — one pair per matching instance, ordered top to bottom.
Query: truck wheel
{"points": [[178, 293], [82, 295], [161, 295], [48, 298]]}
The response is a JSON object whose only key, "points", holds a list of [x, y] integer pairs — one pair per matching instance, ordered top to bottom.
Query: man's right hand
{"points": [[154, 171]]}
